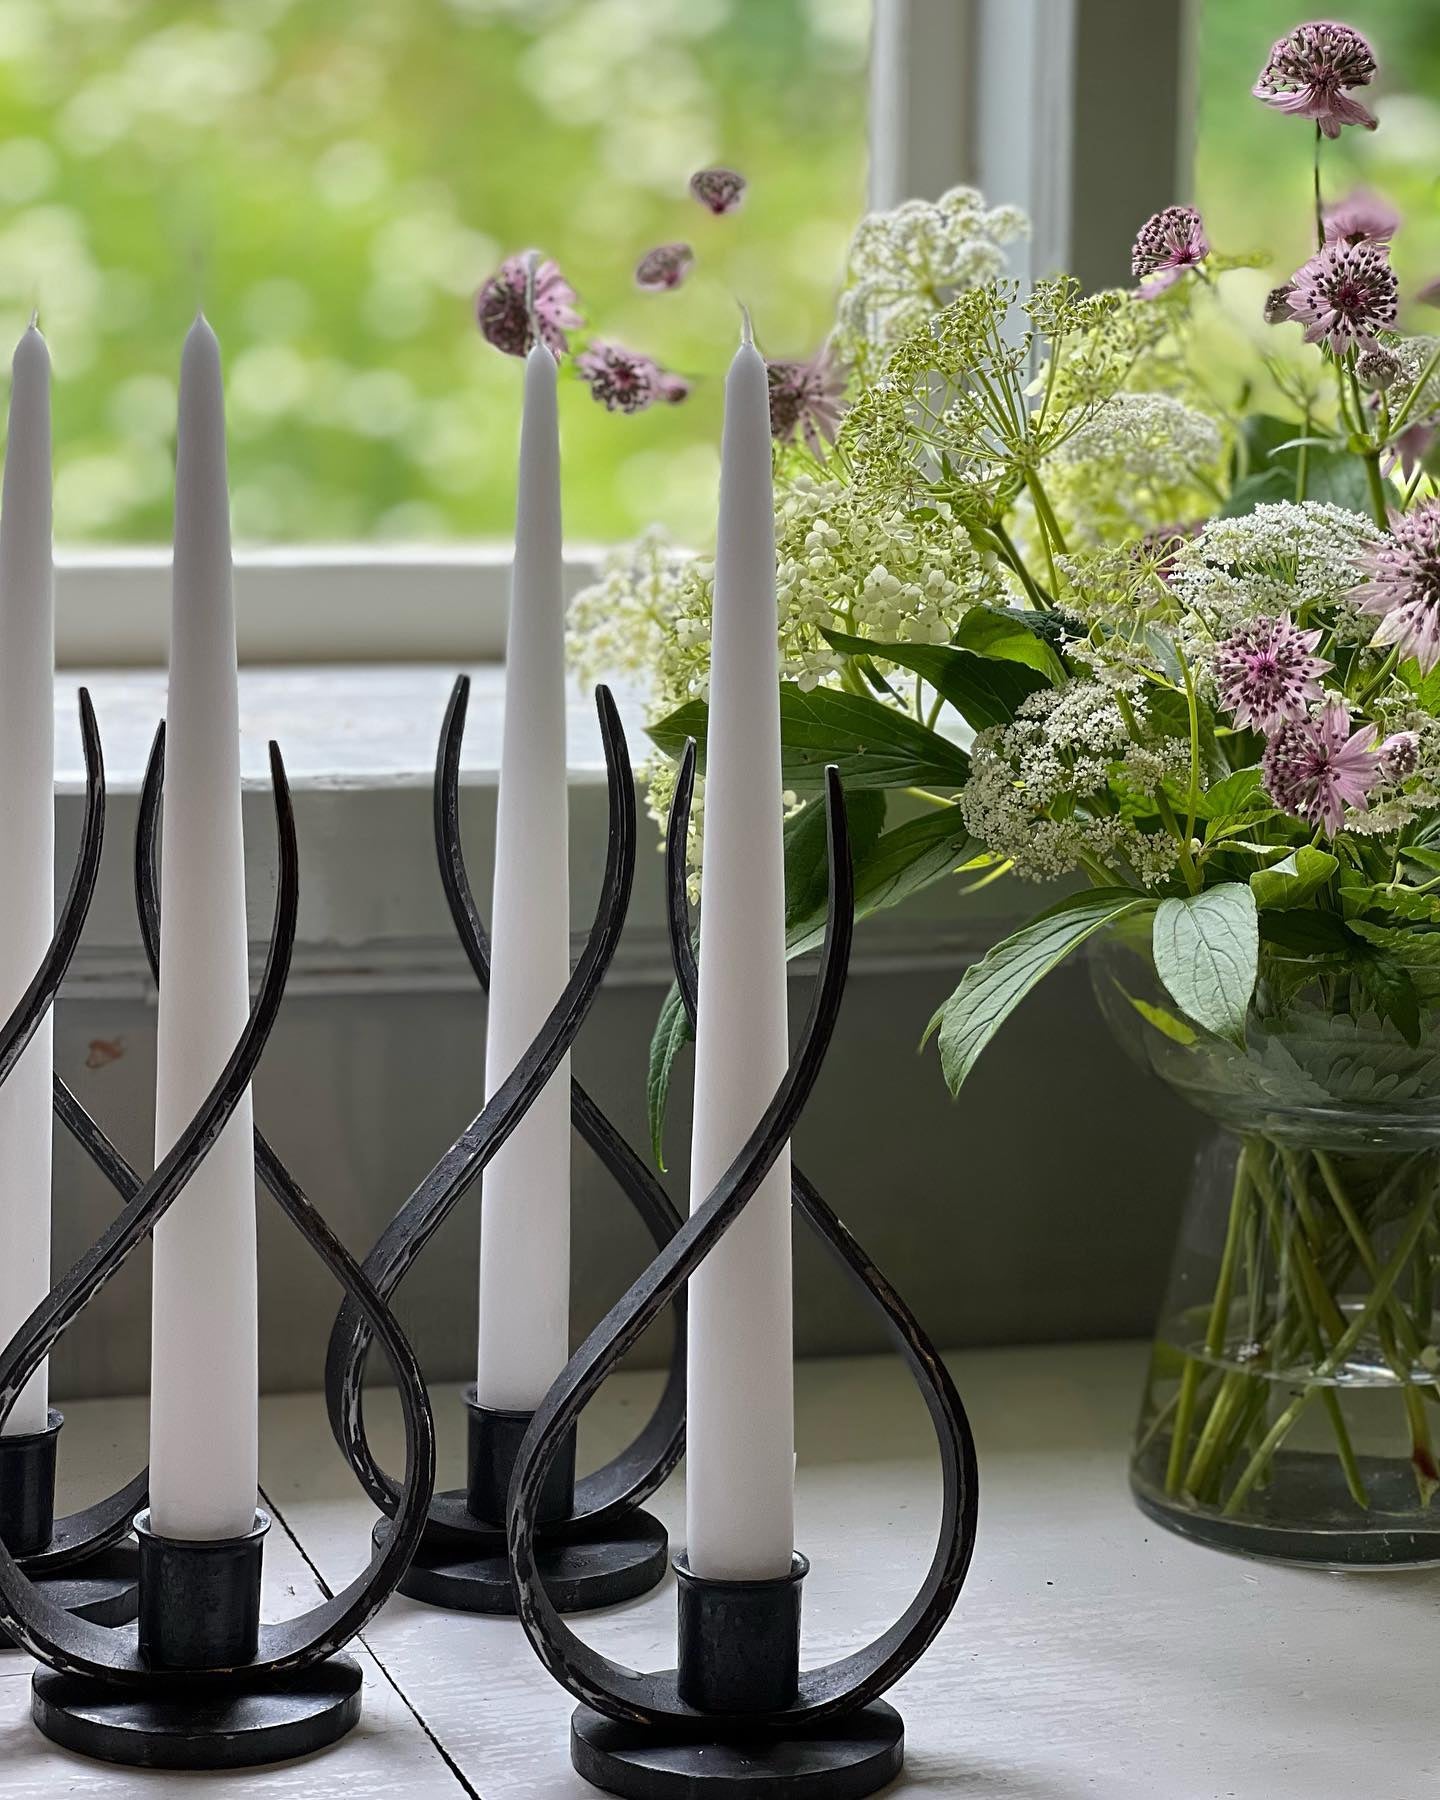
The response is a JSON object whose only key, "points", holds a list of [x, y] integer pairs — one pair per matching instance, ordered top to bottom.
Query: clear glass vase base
{"points": [[1308, 1518]]}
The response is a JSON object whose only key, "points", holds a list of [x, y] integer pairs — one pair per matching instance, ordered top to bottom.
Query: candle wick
{"points": [[747, 330]]}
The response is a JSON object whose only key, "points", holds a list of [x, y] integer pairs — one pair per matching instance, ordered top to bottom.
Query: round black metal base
{"points": [[620, 1561], [102, 1589], [280, 1718], [841, 1759]]}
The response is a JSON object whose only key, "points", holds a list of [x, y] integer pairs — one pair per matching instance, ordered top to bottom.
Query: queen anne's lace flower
{"points": [[1308, 71], [1345, 294], [1133, 464], [1279, 559], [1404, 584], [1266, 673], [1315, 768], [1042, 790]]}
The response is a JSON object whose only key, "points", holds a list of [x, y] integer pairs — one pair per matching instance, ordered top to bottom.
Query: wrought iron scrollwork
{"points": [[640, 1468], [73, 1645], [840, 1687]]}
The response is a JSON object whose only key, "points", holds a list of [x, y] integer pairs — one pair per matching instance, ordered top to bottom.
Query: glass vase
{"points": [[1291, 1408]]}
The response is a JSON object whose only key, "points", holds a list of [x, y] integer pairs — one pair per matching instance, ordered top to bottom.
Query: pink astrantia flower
{"points": [[1308, 71], [719, 189], [1361, 215], [1167, 244], [664, 267], [1344, 295], [1429, 295], [503, 306], [621, 380], [671, 389], [805, 398], [1404, 584], [1266, 673], [1399, 756], [1315, 768]]}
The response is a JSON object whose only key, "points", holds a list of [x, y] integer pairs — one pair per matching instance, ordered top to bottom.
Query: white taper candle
{"points": [[27, 834], [525, 1212], [204, 1389], [740, 1455]]}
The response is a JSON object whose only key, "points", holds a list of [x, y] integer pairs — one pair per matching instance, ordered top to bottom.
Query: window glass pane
{"points": [[1254, 169], [335, 177]]}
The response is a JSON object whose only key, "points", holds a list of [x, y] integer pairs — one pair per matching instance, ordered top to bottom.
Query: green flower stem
{"points": [[1319, 204], [1047, 513], [1017, 562], [1382, 674], [1374, 1301], [1214, 1329]]}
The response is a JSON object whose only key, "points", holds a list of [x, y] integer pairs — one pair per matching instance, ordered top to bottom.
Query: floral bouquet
{"points": [[1061, 611]]}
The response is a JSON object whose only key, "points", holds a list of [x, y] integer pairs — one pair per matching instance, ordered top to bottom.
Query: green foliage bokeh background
{"points": [[333, 179]]}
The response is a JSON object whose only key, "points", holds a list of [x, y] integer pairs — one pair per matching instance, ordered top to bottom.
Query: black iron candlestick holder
{"points": [[596, 1544], [80, 1563], [199, 1682], [739, 1716]]}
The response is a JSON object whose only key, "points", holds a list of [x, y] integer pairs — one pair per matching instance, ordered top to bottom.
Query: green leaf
{"points": [[1272, 454], [1257, 490], [1005, 631], [984, 690], [875, 746], [1238, 796], [807, 850], [889, 870], [1292, 882], [1306, 933], [1207, 950], [992, 988], [1391, 991], [1164, 1022], [671, 1034]]}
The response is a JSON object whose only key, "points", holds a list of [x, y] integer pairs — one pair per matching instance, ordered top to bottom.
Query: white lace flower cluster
{"points": [[905, 264], [1414, 355], [1140, 462], [1282, 558], [641, 618], [1041, 790]]}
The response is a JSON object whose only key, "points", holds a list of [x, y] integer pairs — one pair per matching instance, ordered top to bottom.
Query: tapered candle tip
{"points": [[34, 318], [747, 330]]}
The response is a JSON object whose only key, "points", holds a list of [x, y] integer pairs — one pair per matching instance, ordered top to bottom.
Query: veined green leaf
{"points": [[1007, 632], [984, 690], [874, 745], [891, 868], [1294, 880], [1207, 951], [992, 988], [1164, 1022], [671, 1034]]}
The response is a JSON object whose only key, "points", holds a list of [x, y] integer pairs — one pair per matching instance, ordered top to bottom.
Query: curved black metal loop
{"points": [[641, 1469], [80, 1534], [74, 1645], [855, 1680]]}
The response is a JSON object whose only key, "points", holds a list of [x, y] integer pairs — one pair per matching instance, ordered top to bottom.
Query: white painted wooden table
{"points": [[1090, 1654]]}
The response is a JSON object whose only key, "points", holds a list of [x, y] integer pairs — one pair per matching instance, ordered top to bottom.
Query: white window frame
{"points": [[1029, 100]]}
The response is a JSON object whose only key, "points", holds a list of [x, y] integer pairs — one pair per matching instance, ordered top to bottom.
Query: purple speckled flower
{"points": [[1308, 71], [719, 189], [1359, 216], [1167, 244], [664, 267], [1344, 295], [502, 307], [1276, 310], [621, 380], [671, 389], [805, 399], [1404, 584], [1266, 673], [1399, 756], [1315, 768]]}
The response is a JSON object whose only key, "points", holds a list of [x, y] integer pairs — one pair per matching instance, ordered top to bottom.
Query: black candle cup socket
{"points": [[495, 1438], [27, 1487], [199, 1597], [739, 1641]]}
